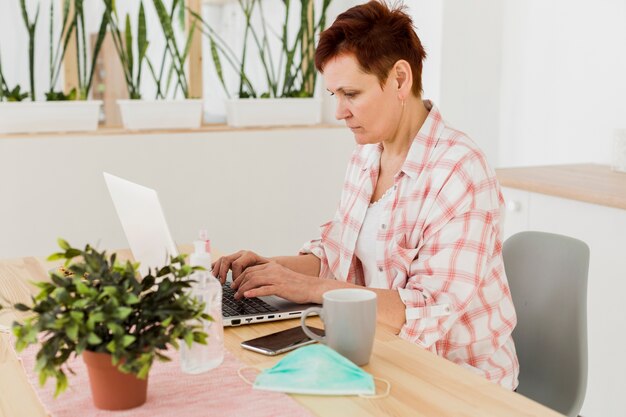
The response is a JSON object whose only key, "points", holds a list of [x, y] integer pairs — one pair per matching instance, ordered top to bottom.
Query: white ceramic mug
{"points": [[349, 317]]}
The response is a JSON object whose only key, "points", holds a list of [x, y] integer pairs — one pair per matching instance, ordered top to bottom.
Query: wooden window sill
{"points": [[106, 131]]}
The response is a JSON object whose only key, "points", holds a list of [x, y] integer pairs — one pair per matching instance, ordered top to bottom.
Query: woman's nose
{"points": [[342, 111]]}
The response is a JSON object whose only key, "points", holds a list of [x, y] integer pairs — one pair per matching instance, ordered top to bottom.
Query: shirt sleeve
{"points": [[315, 247], [453, 258]]}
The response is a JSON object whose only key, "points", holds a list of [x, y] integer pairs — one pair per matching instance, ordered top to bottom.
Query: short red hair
{"points": [[378, 36]]}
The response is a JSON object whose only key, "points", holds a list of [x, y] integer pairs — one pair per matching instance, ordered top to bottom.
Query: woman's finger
{"points": [[223, 264], [244, 275], [255, 279], [263, 291]]}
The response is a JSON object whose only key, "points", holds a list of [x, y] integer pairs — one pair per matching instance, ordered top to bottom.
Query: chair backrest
{"points": [[547, 275]]}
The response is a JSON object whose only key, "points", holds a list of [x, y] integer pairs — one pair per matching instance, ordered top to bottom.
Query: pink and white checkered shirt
{"points": [[439, 244]]}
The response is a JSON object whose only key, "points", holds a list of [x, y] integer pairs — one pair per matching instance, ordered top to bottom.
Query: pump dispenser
{"points": [[201, 358]]}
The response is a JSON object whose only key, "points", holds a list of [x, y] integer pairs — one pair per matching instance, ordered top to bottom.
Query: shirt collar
{"points": [[424, 142], [421, 149]]}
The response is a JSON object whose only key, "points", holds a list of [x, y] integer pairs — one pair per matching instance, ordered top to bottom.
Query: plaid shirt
{"points": [[439, 244]]}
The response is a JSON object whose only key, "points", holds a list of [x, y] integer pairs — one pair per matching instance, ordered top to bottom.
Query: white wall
{"points": [[470, 70], [563, 82], [266, 190]]}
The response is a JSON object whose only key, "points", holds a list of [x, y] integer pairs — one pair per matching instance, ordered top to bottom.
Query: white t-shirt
{"points": [[365, 248]]}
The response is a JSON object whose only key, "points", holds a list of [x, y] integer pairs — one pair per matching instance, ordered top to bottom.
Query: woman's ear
{"points": [[404, 78]]}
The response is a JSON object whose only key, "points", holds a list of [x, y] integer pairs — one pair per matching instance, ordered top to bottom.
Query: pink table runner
{"points": [[219, 392]]}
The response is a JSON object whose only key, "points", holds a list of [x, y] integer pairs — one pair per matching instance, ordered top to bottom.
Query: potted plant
{"points": [[287, 96], [165, 111], [61, 112], [98, 308]]}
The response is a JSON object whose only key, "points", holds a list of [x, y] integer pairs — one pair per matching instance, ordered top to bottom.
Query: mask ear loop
{"points": [[240, 373], [378, 396]]}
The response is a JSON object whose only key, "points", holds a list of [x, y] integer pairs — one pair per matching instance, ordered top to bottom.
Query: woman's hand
{"points": [[237, 262], [272, 278]]}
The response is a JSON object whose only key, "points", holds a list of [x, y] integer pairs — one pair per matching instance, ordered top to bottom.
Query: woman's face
{"points": [[371, 112]]}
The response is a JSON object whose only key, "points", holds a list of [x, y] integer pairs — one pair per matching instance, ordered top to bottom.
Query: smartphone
{"points": [[281, 342]]}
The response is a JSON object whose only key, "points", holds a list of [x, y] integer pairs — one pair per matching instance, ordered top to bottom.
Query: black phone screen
{"points": [[282, 341]]}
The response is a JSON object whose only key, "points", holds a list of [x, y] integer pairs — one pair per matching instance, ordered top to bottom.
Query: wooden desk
{"points": [[422, 384]]}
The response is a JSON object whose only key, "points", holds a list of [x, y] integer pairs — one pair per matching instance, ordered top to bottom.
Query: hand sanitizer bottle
{"points": [[201, 358]]}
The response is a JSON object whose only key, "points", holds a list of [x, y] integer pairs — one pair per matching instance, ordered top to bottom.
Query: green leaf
{"points": [[142, 42], [129, 46], [96, 49], [63, 244], [72, 253], [56, 256], [58, 280], [44, 286], [81, 287], [110, 290], [60, 294], [131, 299], [21, 307], [123, 312], [77, 315], [96, 317], [167, 321], [115, 328], [72, 331], [200, 337], [189, 338], [93, 339], [128, 340], [111, 346], [80, 347], [42, 361], [143, 372], [43, 377], [61, 383]]}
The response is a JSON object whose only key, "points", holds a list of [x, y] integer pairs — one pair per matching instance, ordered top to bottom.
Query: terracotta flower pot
{"points": [[110, 388]]}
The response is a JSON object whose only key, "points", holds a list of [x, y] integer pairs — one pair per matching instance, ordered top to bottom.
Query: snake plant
{"points": [[30, 28], [124, 46], [58, 53], [177, 55], [85, 72], [294, 73], [14, 94]]}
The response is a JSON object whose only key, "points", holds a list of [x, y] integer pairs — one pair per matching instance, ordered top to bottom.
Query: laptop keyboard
{"points": [[232, 307]]}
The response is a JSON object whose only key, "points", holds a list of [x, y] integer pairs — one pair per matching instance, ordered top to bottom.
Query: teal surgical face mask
{"points": [[316, 370]]}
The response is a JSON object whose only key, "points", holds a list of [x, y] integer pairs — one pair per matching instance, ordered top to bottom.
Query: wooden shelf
{"points": [[106, 131], [591, 183]]}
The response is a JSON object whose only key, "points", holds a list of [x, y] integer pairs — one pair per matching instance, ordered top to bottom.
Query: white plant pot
{"points": [[273, 111], [161, 114], [49, 116]]}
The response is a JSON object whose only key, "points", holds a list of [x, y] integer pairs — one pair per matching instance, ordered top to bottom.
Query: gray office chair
{"points": [[547, 274]]}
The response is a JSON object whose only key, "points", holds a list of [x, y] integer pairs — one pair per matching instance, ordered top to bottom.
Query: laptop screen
{"points": [[143, 221]]}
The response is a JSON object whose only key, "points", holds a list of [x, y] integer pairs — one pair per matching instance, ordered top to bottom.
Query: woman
{"points": [[419, 218]]}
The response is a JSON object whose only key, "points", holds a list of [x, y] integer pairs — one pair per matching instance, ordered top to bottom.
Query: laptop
{"points": [[151, 243]]}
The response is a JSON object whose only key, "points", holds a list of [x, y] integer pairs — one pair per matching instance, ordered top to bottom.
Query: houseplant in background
{"points": [[9, 94], [287, 96], [166, 111], [61, 112], [98, 308]]}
